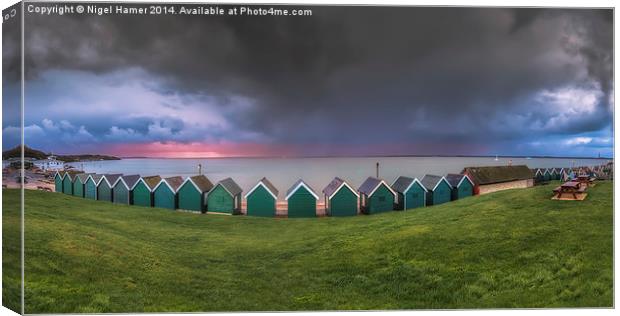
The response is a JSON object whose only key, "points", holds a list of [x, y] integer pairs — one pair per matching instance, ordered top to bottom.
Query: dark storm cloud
{"points": [[361, 74]]}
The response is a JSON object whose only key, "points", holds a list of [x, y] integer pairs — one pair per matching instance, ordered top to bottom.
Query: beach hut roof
{"points": [[72, 174], [498, 174], [83, 177], [96, 178], [111, 178], [455, 180], [129, 181], [431, 181], [151, 182], [200, 182], [173, 183], [300, 183], [372, 184], [402, 184], [267, 185], [231, 186], [333, 187]]}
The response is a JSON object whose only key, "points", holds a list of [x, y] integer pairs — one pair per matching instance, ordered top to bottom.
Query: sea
{"points": [[316, 172]]}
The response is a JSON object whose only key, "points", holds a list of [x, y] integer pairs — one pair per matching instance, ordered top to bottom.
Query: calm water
{"points": [[317, 172]]}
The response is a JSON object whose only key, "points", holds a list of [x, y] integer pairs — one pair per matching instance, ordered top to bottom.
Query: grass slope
{"points": [[514, 248]]}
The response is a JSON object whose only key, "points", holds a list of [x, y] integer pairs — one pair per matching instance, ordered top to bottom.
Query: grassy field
{"points": [[513, 248]]}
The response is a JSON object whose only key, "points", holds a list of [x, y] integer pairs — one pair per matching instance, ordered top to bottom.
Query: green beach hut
{"points": [[557, 173], [539, 175], [547, 175], [58, 181], [67, 182], [78, 184], [461, 184], [104, 187], [90, 188], [122, 189], [438, 189], [143, 190], [192, 192], [165, 193], [410, 193], [376, 196], [225, 197], [340, 198], [261, 199], [301, 200]]}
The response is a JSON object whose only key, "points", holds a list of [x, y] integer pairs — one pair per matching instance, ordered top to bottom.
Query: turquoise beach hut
{"points": [[547, 175], [58, 181], [78, 184], [461, 184], [104, 187], [90, 188], [122, 189], [438, 189], [142, 192], [165, 193], [192, 193], [410, 193], [376, 196], [225, 197], [340, 198], [261, 199], [301, 200]]}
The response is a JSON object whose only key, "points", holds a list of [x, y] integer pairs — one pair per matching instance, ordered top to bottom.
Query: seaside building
{"points": [[49, 164], [539, 175], [547, 175], [496, 178], [58, 181], [67, 182], [78, 184], [462, 185], [104, 187], [90, 188], [122, 189], [438, 189], [142, 192], [192, 192], [165, 193], [410, 193], [376, 196], [225, 197], [340, 198], [261, 199], [301, 200]]}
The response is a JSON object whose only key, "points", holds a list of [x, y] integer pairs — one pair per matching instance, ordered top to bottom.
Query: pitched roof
{"points": [[72, 174], [498, 174], [83, 176], [96, 178], [111, 178], [129, 180], [151, 181], [430, 181], [174, 182], [202, 183], [300, 183], [402, 183], [371, 184], [267, 185], [231, 186], [335, 186]]}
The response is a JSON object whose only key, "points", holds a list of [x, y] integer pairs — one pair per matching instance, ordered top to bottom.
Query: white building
{"points": [[49, 164]]}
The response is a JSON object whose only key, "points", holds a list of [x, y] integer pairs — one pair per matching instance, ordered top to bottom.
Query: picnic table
{"points": [[584, 179], [570, 188]]}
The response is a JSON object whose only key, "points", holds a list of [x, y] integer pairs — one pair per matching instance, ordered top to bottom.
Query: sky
{"points": [[346, 81]]}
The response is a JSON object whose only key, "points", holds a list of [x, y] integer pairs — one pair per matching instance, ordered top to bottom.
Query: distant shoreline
{"points": [[372, 156]]}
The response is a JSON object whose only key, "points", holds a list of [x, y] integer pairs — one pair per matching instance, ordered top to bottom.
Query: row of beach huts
{"points": [[542, 175], [198, 193]]}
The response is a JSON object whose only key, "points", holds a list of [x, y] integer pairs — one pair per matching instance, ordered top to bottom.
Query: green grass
{"points": [[514, 248]]}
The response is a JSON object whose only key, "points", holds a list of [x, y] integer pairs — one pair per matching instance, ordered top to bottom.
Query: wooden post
{"points": [[199, 169], [377, 170]]}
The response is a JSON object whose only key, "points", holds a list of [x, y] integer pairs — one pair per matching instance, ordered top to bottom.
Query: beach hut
{"points": [[554, 172], [539, 175], [547, 175], [497, 178], [58, 181], [67, 182], [78, 184], [461, 184], [104, 187], [90, 188], [122, 189], [438, 189], [142, 192], [165, 193], [410, 193], [191, 194], [376, 196], [225, 197], [340, 198], [261, 199], [301, 200]]}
